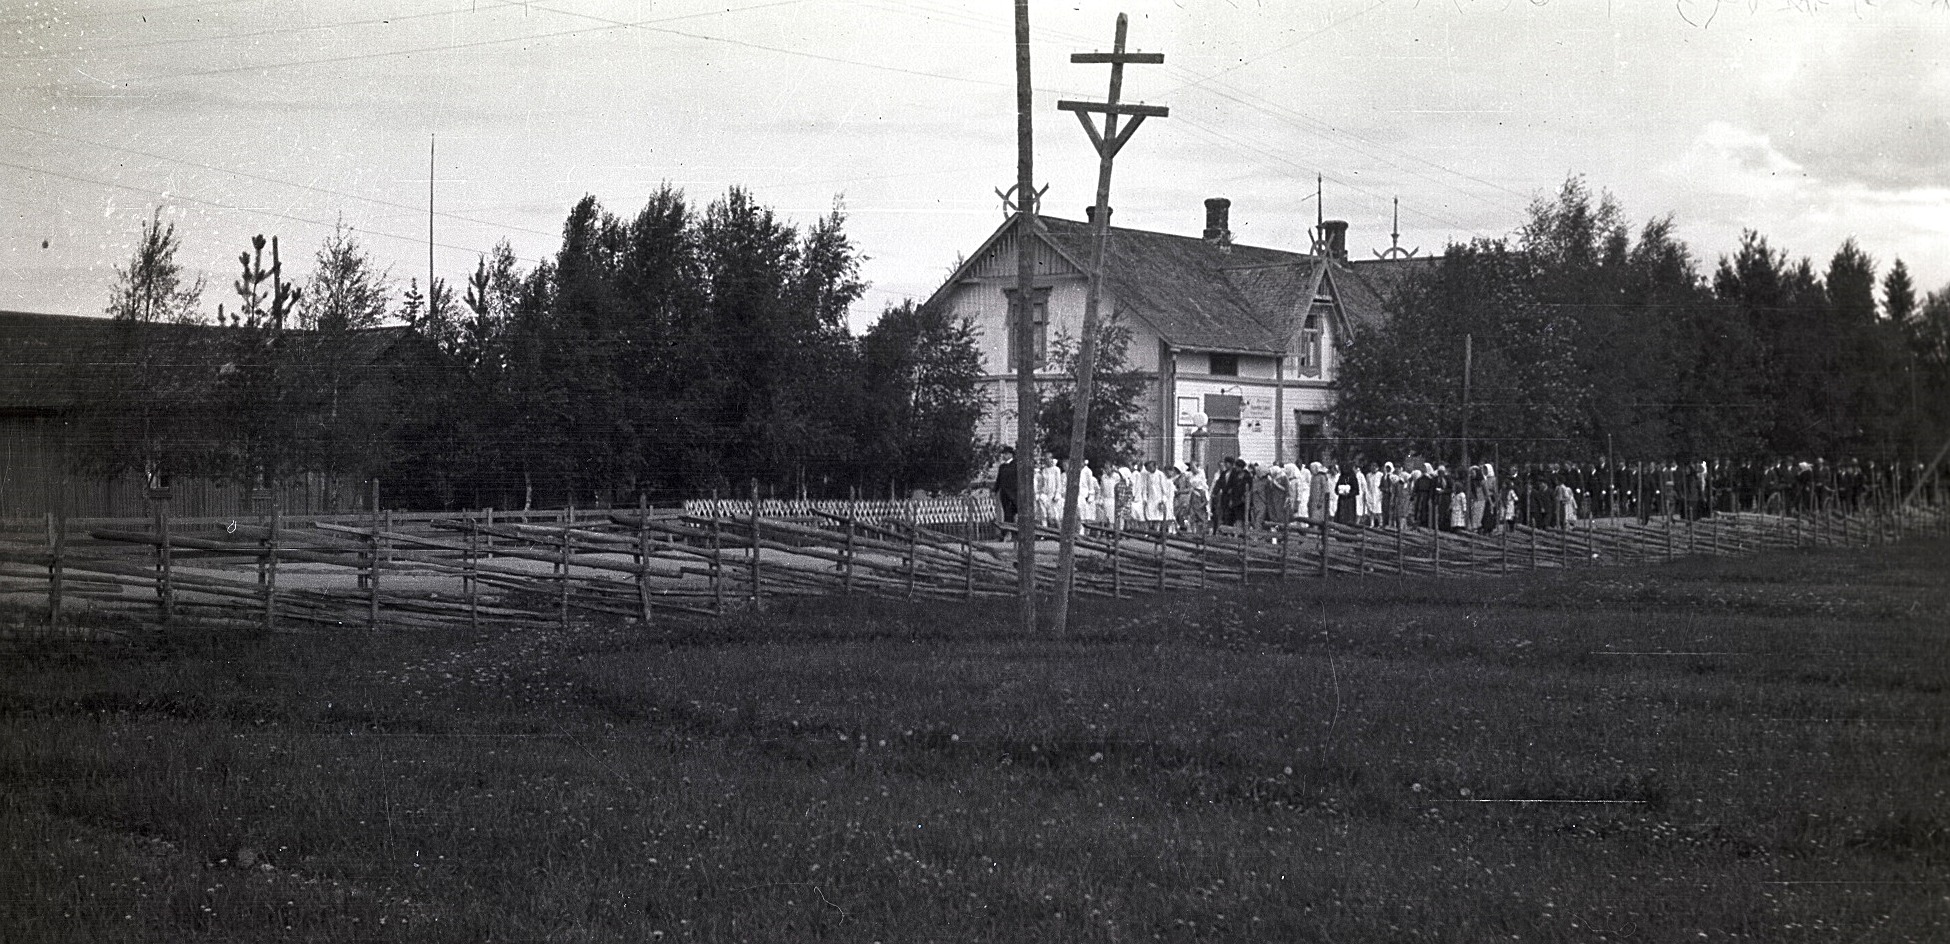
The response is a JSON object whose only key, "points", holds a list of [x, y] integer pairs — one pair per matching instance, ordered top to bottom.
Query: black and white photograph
{"points": [[574, 471]]}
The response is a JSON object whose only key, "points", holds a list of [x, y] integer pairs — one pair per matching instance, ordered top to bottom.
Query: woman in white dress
{"points": [[1300, 488], [1049, 491], [1086, 493], [1163, 495], [1369, 514]]}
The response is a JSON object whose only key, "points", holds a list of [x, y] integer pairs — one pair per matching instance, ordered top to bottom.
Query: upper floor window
{"points": [[1039, 314], [1309, 353], [1225, 365]]}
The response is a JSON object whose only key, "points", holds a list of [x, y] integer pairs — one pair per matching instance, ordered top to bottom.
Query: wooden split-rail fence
{"points": [[466, 570]]}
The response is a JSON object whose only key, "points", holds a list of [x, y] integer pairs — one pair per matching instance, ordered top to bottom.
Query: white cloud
{"points": [[1730, 161]]}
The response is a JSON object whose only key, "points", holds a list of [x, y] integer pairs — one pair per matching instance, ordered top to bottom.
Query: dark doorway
{"points": [[1222, 427], [1309, 436]]}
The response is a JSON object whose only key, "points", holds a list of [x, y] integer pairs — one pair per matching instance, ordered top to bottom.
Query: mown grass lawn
{"points": [[1705, 750]]}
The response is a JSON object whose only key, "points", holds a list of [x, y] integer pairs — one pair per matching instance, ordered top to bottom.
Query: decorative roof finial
{"points": [[1009, 206], [1318, 235], [1395, 250]]}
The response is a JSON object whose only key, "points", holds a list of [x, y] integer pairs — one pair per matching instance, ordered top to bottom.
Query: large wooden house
{"points": [[1245, 338]]}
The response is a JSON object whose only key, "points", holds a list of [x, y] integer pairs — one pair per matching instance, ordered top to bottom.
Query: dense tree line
{"points": [[1591, 340], [669, 353]]}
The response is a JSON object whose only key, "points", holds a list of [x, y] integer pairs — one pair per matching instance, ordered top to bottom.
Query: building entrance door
{"points": [[1222, 428], [1309, 436]]}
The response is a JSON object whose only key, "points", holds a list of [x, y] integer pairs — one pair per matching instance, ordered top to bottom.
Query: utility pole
{"points": [[1107, 143], [1025, 314], [1469, 352]]}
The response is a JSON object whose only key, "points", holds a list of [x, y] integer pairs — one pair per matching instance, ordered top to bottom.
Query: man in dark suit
{"points": [[1005, 485]]}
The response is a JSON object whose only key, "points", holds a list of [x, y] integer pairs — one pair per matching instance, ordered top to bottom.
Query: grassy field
{"points": [[1706, 750]]}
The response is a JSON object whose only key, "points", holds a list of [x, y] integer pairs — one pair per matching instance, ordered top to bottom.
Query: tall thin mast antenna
{"points": [[430, 143]]}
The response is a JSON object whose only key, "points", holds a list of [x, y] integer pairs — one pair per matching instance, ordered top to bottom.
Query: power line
{"points": [[1378, 4], [103, 15], [255, 34], [452, 47], [1287, 115], [272, 180], [415, 240]]}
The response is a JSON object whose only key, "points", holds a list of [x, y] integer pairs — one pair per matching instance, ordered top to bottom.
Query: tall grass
{"points": [[1705, 750]]}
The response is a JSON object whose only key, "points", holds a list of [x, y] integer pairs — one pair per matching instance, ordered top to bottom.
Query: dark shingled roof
{"points": [[1373, 281], [1283, 292], [1197, 294], [49, 363]]}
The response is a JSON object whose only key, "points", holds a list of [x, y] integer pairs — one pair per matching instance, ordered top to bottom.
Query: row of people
{"points": [[1431, 495]]}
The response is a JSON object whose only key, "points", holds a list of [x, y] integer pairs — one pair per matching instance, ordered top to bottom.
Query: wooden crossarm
{"points": [[1118, 58], [1120, 108]]}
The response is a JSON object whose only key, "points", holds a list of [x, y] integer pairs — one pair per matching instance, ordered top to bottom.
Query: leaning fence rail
{"points": [[541, 568]]}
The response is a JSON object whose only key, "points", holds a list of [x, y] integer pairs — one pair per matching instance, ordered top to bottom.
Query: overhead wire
{"points": [[139, 11], [607, 25], [255, 34], [1208, 83], [262, 178], [260, 211]]}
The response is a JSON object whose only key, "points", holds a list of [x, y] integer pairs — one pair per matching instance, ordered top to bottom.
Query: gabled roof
{"points": [[1178, 285], [1285, 290], [1365, 294], [1200, 295], [50, 364]]}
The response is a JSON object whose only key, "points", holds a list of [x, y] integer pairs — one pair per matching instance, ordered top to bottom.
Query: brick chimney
{"points": [[1090, 214], [1218, 221], [1334, 232]]}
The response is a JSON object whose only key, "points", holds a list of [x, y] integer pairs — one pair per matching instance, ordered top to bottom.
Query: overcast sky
{"points": [[1809, 122]]}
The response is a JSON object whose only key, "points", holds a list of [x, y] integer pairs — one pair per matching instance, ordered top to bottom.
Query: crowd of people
{"points": [[1428, 494]]}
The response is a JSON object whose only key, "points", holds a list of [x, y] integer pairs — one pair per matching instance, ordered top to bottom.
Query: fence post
{"points": [[567, 520], [1326, 528], [57, 532], [755, 538], [1668, 539], [487, 540], [1435, 546], [1533, 546], [1286, 547], [1401, 550], [914, 551], [1361, 551], [1161, 556], [1117, 557], [643, 560], [717, 561], [846, 561], [968, 562], [1204, 562], [562, 565], [1503, 565], [271, 568], [372, 578], [469, 578], [165, 589]]}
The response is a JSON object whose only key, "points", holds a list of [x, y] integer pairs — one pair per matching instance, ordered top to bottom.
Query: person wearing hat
{"points": [[1005, 485]]}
